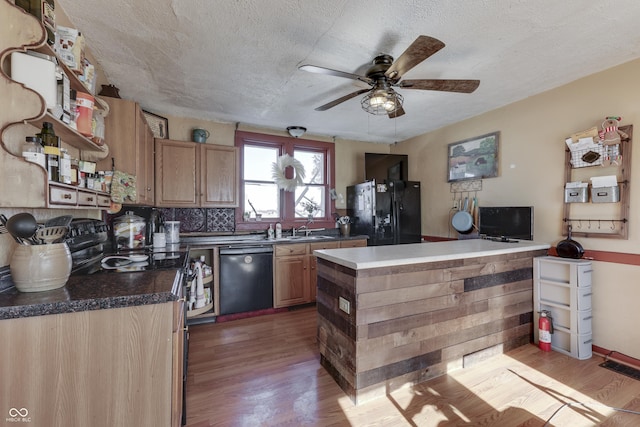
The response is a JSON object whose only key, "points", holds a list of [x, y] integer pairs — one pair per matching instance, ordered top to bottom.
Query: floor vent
{"points": [[622, 369]]}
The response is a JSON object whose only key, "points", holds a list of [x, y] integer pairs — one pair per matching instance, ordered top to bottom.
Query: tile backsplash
{"points": [[192, 220], [201, 220]]}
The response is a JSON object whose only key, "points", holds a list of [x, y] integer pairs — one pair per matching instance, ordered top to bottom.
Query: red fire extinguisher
{"points": [[545, 329]]}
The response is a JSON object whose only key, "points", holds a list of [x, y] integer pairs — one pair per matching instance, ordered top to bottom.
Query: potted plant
{"points": [[310, 208]]}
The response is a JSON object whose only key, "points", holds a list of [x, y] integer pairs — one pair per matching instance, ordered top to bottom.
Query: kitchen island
{"points": [[389, 316]]}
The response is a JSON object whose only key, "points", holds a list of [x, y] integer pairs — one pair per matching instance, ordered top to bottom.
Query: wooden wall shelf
{"points": [[603, 220]]}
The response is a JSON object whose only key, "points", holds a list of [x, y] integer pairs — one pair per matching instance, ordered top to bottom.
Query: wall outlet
{"points": [[456, 204], [344, 305]]}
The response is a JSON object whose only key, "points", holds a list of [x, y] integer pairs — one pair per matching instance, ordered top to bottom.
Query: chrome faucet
{"points": [[294, 230]]}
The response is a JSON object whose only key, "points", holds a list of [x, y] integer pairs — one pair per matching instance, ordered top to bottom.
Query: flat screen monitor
{"points": [[509, 222]]}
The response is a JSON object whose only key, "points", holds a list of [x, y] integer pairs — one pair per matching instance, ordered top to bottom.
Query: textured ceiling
{"points": [[237, 61]]}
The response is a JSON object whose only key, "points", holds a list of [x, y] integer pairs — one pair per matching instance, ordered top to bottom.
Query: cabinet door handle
{"points": [[66, 196], [89, 199], [588, 295]]}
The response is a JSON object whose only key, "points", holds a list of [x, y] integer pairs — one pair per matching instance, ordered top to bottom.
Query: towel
{"points": [[123, 188]]}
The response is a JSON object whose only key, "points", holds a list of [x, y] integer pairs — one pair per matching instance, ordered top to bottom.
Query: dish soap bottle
{"points": [[270, 232]]}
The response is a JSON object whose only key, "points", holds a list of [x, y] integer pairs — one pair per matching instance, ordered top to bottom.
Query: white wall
{"points": [[531, 172]]}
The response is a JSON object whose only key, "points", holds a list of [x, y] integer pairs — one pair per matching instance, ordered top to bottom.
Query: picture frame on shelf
{"points": [[159, 125], [473, 158]]}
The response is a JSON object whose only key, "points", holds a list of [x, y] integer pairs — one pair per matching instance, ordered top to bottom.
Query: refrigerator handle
{"points": [[395, 218]]}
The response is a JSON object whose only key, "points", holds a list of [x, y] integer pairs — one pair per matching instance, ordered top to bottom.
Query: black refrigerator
{"points": [[388, 213]]}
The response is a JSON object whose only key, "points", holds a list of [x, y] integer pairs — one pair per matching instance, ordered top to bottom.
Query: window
{"points": [[263, 202]]}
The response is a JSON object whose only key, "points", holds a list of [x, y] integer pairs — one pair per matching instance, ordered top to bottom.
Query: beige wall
{"points": [[531, 156]]}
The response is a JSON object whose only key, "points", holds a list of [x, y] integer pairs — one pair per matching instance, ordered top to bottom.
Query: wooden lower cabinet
{"points": [[294, 269], [290, 275], [94, 368]]}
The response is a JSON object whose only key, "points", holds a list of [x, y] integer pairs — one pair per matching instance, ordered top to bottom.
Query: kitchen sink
{"points": [[317, 237]]}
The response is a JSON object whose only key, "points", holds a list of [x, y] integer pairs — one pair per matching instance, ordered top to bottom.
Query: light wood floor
{"points": [[265, 371]]}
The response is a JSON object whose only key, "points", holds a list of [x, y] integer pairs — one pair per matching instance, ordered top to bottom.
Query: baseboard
{"points": [[614, 355]]}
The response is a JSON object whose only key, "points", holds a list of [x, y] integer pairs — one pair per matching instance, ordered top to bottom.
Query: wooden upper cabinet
{"points": [[130, 142], [219, 168], [176, 173], [195, 175], [146, 193]]}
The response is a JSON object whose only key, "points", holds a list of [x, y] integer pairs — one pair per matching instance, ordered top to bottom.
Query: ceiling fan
{"points": [[385, 74]]}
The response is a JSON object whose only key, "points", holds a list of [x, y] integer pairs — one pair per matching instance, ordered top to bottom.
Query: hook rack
{"points": [[618, 228]]}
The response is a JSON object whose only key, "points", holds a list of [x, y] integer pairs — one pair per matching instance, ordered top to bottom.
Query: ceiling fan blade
{"points": [[422, 48], [330, 72], [463, 86], [341, 100], [399, 112]]}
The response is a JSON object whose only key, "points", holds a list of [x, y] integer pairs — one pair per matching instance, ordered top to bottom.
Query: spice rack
{"points": [[29, 184], [605, 220]]}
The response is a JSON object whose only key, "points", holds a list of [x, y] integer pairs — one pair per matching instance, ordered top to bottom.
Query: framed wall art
{"points": [[159, 125], [473, 158]]}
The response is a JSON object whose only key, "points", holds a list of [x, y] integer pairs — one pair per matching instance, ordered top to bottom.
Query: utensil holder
{"points": [[345, 230], [36, 268]]}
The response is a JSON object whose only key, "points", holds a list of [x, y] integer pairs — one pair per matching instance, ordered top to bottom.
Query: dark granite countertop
{"points": [[115, 290], [93, 292]]}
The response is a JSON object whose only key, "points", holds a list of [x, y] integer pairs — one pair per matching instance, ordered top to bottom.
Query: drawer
{"points": [[62, 196], [87, 199], [104, 201], [359, 243], [323, 245], [294, 249], [562, 270], [584, 275], [555, 293], [584, 298], [575, 321], [576, 345]]}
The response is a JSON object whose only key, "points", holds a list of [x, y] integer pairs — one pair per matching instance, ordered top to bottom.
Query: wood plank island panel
{"points": [[410, 323]]}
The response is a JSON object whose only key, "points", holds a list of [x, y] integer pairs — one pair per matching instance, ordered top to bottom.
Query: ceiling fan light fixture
{"points": [[381, 102], [296, 131]]}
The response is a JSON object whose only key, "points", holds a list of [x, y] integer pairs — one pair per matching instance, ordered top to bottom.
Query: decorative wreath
{"points": [[277, 173]]}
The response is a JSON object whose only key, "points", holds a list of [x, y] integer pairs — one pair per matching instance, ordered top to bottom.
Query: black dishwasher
{"points": [[246, 278]]}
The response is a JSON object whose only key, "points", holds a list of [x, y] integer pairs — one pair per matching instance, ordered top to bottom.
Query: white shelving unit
{"points": [[563, 287]]}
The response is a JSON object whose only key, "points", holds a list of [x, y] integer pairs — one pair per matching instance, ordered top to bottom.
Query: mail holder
{"points": [[605, 194], [576, 195]]}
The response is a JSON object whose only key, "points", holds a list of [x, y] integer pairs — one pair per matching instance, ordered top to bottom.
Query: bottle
{"points": [[48, 135], [64, 165], [75, 173], [278, 231], [270, 232], [206, 269]]}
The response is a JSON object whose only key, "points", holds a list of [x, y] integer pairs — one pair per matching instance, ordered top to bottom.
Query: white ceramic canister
{"points": [[172, 231], [159, 240], [36, 268]]}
